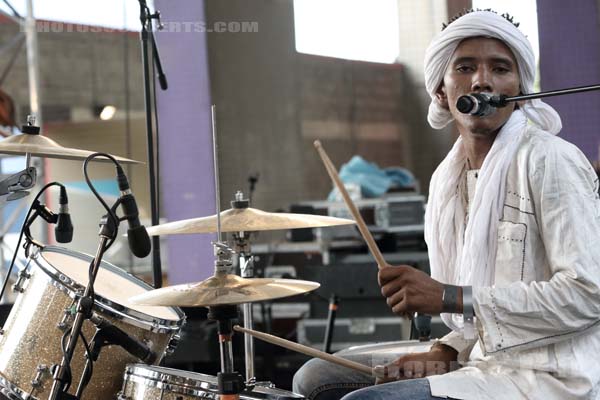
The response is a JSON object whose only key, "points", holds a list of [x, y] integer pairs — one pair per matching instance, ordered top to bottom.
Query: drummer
{"points": [[513, 232]]}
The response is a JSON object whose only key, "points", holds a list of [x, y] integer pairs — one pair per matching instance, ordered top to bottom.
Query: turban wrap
{"points": [[465, 253]]}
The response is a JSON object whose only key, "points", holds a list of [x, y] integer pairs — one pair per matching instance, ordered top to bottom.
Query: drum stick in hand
{"points": [[362, 227], [309, 351]]}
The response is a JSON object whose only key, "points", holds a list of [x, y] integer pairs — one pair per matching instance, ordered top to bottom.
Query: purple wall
{"points": [[570, 56], [187, 179]]}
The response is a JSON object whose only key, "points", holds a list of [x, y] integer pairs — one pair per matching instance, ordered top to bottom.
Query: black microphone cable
{"points": [[23, 229]]}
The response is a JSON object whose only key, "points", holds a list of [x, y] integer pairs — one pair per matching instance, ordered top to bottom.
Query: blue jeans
{"points": [[321, 380]]}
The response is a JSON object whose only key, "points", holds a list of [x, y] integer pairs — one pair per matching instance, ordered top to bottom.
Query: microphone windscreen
{"points": [[465, 104], [64, 229], [139, 241]]}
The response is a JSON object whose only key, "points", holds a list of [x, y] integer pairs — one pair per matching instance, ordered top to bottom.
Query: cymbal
{"points": [[42, 146], [248, 220], [224, 290]]}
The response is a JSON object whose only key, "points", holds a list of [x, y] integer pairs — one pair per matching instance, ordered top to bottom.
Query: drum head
{"points": [[112, 283]]}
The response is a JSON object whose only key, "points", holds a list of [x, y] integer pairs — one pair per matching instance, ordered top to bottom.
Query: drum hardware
{"points": [[17, 185], [246, 263], [18, 285], [63, 324], [173, 344], [42, 370]]}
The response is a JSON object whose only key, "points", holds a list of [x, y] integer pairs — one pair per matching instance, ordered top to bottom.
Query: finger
{"points": [[388, 273], [391, 287], [395, 298], [401, 308], [436, 368]]}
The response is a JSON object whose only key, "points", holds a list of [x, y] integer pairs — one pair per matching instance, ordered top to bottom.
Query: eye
{"points": [[464, 68], [501, 69]]}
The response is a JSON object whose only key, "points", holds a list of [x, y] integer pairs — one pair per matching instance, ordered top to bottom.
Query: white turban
{"points": [[487, 24], [459, 253]]}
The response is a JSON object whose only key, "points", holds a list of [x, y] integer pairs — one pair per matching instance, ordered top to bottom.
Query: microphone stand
{"points": [[145, 34], [502, 100], [85, 304]]}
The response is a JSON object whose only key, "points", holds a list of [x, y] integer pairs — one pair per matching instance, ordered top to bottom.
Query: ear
{"points": [[440, 94]]}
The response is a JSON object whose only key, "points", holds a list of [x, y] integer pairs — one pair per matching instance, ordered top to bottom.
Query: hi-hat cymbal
{"points": [[41, 146], [248, 220], [224, 290]]}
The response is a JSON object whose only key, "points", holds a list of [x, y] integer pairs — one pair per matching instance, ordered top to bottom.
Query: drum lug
{"points": [[18, 286], [63, 325], [173, 343], [42, 370], [121, 396]]}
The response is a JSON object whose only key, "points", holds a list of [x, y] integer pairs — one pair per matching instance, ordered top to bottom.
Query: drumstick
{"points": [[362, 227], [309, 351]]}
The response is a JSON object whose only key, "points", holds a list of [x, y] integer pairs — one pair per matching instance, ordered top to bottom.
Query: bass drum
{"points": [[30, 343], [143, 382]]}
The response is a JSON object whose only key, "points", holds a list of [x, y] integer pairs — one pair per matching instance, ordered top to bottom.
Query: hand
{"points": [[409, 290], [440, 359]]}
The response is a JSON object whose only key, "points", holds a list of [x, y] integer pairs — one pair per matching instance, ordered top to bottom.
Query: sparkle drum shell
{"points": [[30, 343], [143, 382]]}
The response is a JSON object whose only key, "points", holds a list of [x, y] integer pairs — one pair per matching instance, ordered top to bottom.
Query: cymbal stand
{"points": [[242, 248], [230, 382]]}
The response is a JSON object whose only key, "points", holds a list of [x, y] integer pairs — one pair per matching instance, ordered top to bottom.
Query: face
{"points": [[480, 65]]}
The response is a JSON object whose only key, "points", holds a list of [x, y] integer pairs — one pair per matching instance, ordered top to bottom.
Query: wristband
{"points": [[450, 299], [468, 312]]}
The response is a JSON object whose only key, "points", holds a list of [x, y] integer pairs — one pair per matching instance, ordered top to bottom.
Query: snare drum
{"points": [[30, 343], [143, 382]]}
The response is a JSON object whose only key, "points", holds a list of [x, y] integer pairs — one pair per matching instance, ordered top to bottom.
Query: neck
{"points": [[477, 146]]}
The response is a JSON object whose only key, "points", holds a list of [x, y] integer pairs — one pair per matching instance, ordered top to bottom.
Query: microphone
{"points": [[479, 104], [64, 228], [137, 236], [111, 334]]}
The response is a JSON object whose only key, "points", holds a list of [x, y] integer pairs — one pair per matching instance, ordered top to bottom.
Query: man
{"points": [[513, 233]]}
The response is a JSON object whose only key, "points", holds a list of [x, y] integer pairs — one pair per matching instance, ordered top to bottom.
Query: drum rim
{"points": [[73, 289], [150, 377], [14, 391]]}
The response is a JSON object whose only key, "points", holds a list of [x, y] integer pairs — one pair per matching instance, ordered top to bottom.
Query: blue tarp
{"points": [[373, 181]]}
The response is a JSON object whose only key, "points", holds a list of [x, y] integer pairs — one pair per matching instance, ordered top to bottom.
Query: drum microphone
{"points": [[480, 104], [63, 231], [137, 236], [111, 334]]}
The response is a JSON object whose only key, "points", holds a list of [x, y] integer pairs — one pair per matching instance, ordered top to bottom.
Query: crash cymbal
{"points": [[42, 146], [248, 220], [224, 290]]}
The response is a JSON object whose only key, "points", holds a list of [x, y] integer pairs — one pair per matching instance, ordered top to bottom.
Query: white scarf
{"points": [[472, 261]]}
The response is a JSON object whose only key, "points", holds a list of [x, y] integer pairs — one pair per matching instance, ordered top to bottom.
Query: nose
{"points": [[482, 81]]}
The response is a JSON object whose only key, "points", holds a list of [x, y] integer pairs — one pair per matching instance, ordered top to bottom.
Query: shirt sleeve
{"points": [[526, 315], [457, 341]]}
